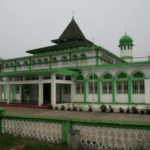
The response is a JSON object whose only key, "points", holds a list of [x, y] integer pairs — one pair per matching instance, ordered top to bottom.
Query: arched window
{"points": [[83, 60], [39, 61], [64, 61], [75, 61], [54, 62], [11, 64], [33, 64], [46, 64], [18, 66], [26, 67], [11, 68], [106, 79], [92, 83], [122, 83], [80, 84], [138, 85]]}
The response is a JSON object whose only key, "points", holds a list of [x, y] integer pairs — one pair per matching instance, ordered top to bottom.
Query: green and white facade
{"points": [[64, 73]]}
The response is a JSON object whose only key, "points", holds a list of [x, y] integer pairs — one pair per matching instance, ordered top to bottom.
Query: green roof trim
{"points": [[66, 51], [111, 65], [40, 71]]}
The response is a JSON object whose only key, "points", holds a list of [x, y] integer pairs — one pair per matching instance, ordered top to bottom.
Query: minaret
{"points": [[125, 44]]}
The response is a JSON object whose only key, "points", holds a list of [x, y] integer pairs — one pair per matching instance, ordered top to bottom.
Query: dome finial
{"points": [[72, 15], [125, 32]]}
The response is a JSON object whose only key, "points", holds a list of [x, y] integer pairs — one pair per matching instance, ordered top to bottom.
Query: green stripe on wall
{"points": [[99, 88], [129, 90], [85, 91], [113, 91]]}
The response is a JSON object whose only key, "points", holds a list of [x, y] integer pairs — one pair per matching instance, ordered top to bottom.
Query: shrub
{"points": [[50, 106], [56, 107], [62, 107], [69, 107], [80, 107], [103, 107], [74, 108], [90, 108], [111, 109], [134, 109], [121, 110], [128, 110], [142, 111], [148, 111]]}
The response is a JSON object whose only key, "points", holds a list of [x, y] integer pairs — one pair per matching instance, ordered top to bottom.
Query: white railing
{"points": [[51, 132], [112, 138]]}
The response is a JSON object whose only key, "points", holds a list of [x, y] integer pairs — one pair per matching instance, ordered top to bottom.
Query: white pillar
{"points": [[63, 77], [24, 78], [71, 88], [53, 89], [0, 90], [8, 91], [147, 91], [0, 93], [40, 100]]}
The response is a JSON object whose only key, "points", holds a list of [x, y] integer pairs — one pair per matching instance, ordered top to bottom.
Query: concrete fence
{"points": [[96, 134]]}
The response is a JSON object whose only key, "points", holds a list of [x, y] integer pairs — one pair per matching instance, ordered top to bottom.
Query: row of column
{"points": [[40, 90], [53, 90], [40, 98]]}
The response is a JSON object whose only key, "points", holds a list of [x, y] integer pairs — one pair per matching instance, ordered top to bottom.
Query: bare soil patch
{"points": [[78, 114]]}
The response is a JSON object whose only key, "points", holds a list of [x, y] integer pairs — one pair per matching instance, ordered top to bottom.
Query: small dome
{"points": [[126, 40]]}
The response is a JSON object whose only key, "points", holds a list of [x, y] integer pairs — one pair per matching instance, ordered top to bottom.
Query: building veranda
{"points": [[64, 73]]}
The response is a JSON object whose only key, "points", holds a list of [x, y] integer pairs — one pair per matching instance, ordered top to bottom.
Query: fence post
{"points": [[2, 112], [66, 126]]}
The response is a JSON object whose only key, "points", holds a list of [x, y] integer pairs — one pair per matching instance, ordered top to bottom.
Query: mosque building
{"points": [[75, 69]]}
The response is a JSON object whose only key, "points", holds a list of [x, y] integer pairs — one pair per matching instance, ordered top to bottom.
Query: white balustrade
{"points": [[51, 132], [112, 138]]}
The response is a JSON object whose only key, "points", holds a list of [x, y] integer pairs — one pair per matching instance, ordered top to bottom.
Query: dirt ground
{"points": [[78, 114]]}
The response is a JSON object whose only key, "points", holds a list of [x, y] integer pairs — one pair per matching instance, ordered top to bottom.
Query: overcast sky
{"points": [[31, 24]]}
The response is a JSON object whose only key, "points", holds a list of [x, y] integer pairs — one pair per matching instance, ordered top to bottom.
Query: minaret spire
{"points": [[72, 15], [125, 32]]}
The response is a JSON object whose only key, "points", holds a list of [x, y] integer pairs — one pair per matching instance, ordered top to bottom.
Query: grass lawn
{"points": [[8, 141]]}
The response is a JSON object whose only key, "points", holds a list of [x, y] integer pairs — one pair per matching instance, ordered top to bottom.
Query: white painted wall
{"points": [[147, 91], [57, 92], [66, 97], [77, 97], [90, 97], [106, 98], [121, 98], [138, 98]]}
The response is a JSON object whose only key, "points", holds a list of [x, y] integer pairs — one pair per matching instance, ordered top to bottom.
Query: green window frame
{"points": [[124, 47], [128, 47], [90, 85], [107, 87], [122, 87], [138, 87], [80, 88], [17, 89], [67, 89]]}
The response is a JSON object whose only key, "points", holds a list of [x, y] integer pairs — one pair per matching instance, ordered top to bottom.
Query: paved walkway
{"points": [[78, 114]]}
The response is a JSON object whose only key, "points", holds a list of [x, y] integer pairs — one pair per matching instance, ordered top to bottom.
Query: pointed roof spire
{"points": [[72, 15], [72, 30], [125, 32]]}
